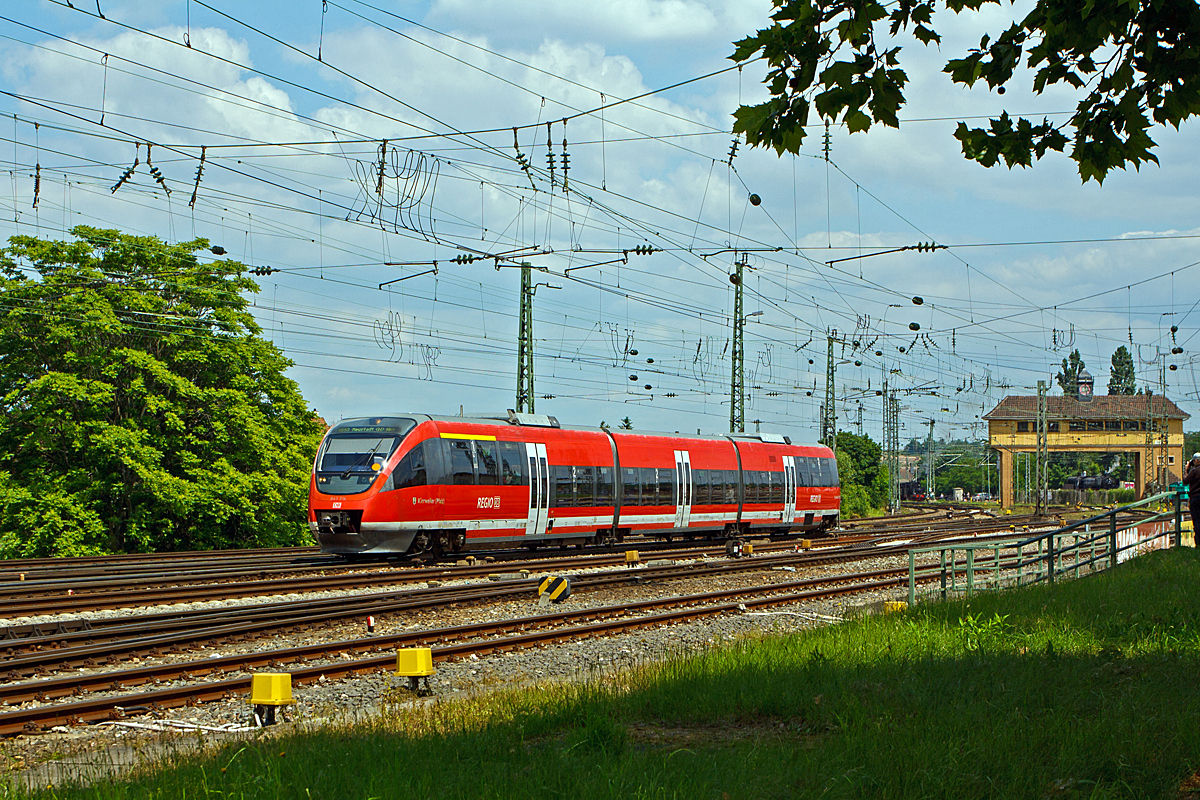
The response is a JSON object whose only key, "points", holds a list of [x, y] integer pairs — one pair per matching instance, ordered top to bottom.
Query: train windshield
{"points": [[354, 452]]}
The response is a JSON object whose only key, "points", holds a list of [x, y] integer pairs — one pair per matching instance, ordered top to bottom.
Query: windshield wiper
{"points": [[359, 462]]}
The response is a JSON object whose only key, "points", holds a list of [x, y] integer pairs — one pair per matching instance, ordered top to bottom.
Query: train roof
{"points": [[545, 421]]}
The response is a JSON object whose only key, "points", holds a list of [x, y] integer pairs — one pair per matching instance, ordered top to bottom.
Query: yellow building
{"points": [[1150, 427]]}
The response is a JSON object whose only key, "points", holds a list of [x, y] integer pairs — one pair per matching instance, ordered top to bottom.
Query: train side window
{"points": [[436, 453], [488, 463], [462, 464], [512, 464], [410, 471], [814, 471], [831, 472], [802, 478], [732, 484], [667, 485], [751, 485], [585, 486], [604, 486], [649, 486], [631, 487], [776, 487], [563, 494], [700, 495]]}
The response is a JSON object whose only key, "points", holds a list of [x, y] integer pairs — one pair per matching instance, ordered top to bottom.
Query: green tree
{"points": [[1133, 64], [1068, 379], [1122, 379], [142, 410], [626, 424], [1191, 444], [863, 459], [856, 501]]}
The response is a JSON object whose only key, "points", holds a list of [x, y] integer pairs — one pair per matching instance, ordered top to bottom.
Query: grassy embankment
{"points": [[1087, 689]]}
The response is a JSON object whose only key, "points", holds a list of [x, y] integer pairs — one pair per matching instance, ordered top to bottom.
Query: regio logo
{"points": [[489, 502]]}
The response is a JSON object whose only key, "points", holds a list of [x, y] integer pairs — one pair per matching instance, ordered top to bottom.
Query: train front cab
{"points": [[370, 490]]}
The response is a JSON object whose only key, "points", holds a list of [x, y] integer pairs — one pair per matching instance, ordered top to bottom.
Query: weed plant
{"points": [[1086, 689]]}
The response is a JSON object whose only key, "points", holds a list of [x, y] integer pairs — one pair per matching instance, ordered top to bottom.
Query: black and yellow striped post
{"points": [[555, 587]]}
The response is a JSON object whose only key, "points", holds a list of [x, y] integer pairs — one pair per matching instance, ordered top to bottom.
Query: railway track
{"points": [[64, 596], [523, 633], [106, 641], [112, 641]]}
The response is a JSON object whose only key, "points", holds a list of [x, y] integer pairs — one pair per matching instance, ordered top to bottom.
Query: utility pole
{"points": [[525, 342], [737, 385], [829, 410], [1160, 423], [858, 424], [891, 446], [929, 465], [1042, 479]]}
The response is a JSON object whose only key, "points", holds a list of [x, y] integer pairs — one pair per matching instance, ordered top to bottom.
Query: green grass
{"points": [[1087, 689]]}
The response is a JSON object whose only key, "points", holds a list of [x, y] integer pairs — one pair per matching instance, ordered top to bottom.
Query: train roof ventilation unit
{"points": [[534, 420], [770, 438]]}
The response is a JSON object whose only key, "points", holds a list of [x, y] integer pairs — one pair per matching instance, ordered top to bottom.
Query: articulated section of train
{"points": [[412, 484]]}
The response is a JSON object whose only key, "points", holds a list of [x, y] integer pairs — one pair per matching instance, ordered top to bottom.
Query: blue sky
{"points": [[286, 166]]}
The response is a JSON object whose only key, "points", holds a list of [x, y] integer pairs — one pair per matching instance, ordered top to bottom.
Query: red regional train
{"points": [[414, 484]]}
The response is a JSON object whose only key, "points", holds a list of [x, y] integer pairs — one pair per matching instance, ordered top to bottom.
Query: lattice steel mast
{"points": [[525, 343], [737, 385], [1041, 479]]}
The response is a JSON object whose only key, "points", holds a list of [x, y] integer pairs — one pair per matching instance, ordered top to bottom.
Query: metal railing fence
{"points": [[1089, 545]]}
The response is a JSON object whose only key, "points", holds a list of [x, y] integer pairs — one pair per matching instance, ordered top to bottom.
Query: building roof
{"points": [[1108, 406]]}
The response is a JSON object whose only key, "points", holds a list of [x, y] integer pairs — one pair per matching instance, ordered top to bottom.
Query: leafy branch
{"points": [[1135, 63]]}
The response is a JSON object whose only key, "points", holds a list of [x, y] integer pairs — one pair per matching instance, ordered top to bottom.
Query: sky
{"points": [[292, 106]]}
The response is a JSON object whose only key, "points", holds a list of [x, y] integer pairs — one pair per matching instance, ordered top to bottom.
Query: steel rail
{"points": [[105, 598], [616, 619], [123, 639], [131, 640]]}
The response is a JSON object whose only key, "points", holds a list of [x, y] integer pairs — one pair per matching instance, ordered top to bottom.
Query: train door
{"points": [[683, 488], [539, 489], [789, 489]]}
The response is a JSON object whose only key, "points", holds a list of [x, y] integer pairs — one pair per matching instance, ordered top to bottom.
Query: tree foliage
{"points": [[1133, 64], [1068, 378], [1122, 378], [142, 410], [864, 477]]}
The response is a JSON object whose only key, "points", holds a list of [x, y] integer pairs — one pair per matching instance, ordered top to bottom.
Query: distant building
{"points": [[1149, 427]]}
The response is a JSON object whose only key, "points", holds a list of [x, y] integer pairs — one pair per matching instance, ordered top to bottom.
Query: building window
{"points": [[1076, 425], [1095, 425], [1112, 425], [1130, 425], [1022, 427], [1052, 427], [1171, 460]]}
